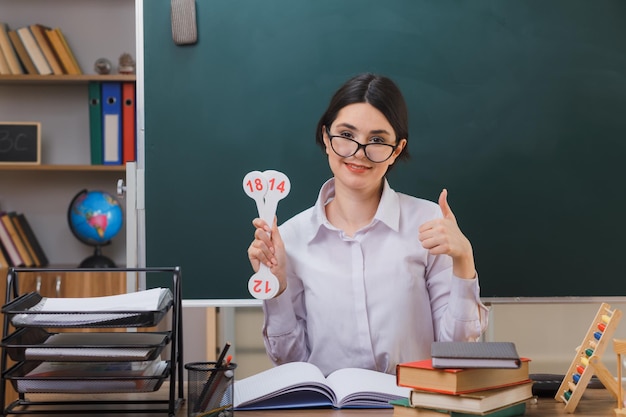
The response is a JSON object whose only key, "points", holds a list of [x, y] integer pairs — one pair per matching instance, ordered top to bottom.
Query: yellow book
{"points": [[61, 47], [9, 52], [4, 64]]}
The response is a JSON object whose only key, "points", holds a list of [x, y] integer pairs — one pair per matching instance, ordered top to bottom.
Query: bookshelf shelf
{"points": [[63, 79], [61, 168]]}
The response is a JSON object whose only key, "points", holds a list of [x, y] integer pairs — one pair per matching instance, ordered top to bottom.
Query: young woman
{"points": [[369, 277]]}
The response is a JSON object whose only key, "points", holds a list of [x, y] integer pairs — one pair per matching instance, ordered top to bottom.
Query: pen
{"points": [[203, 400]]}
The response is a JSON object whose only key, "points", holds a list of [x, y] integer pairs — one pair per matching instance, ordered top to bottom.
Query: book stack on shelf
{"points": [[36, 49], [19, 245], [487, 378]]}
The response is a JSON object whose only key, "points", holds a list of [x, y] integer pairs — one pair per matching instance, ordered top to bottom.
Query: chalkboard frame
{"points": [[32, 134]]}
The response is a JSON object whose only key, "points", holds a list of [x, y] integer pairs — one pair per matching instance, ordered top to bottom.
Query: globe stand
{"points": [[97, 260]]}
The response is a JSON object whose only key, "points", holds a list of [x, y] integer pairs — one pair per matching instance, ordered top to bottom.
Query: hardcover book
{"points": [[39, 32], [6, 47], [32, 47], [22, 54], [32, 239], [17, 240], [7, 242], [474, 355], [423, 376], [475, 402], [402, 408]]}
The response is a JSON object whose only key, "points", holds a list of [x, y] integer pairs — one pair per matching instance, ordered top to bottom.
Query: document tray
{"points": [[23, 313], [34, 343], [83, 382]]}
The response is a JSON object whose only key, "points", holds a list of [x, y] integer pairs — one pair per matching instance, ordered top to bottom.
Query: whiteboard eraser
{"points": [[183, 16]]}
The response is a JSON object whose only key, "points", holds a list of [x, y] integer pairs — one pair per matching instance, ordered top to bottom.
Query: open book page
{"points": [[81, 310], [301, 385], [279, 387], [364, 388]]}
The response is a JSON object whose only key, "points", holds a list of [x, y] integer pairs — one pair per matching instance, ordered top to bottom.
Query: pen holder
{"points": [[210, 389]]}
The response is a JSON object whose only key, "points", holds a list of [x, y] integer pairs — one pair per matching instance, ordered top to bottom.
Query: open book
{"points": [[302, 385]]}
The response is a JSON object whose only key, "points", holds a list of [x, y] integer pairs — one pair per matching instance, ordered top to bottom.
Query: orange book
{"points": [[39, 32], [129, 142], [421, 375]]}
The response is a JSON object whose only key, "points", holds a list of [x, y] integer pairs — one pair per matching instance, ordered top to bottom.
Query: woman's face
{"points": [[365, 124]]}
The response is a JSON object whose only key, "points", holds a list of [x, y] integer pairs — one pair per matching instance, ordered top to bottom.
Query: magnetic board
{"points": [[518, 108]]}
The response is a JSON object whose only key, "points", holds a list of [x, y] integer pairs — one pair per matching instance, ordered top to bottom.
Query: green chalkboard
{"points": [[517, 107]]}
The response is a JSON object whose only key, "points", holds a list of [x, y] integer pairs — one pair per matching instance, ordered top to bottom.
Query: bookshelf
{"points": [[60, 103]]}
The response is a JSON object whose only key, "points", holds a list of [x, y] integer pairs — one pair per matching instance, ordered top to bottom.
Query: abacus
{"points": [[588, 359]]}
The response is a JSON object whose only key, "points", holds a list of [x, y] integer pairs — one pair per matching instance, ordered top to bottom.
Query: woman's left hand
{"points": [[443, 237]]}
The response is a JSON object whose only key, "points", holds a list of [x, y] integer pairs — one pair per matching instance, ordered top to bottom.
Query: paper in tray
{"points": [[148, 308], [32, 343]]}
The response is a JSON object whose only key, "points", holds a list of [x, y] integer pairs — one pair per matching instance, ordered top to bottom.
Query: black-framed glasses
{"points": [[346, 147]]}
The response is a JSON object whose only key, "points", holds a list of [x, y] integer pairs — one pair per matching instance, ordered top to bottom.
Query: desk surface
{"points": [[594, 403]]}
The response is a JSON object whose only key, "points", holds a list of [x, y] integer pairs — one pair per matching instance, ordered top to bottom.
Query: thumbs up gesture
{"points": [[443, 237]]}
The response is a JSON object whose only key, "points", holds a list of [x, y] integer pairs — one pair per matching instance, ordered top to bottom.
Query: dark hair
{"points": [[380, 92]]}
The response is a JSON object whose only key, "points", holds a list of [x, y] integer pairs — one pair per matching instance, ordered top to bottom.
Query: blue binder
{"points": [[112, 123]]}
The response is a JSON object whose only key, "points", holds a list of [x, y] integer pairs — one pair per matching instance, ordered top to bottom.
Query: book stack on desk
{"points": [[474, 386]]}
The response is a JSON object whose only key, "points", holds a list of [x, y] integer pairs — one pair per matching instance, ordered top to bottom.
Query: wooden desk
{"points": [[594, 403]]}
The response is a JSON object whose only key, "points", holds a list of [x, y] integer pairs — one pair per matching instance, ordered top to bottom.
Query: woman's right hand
{"points": [[268, 248]]}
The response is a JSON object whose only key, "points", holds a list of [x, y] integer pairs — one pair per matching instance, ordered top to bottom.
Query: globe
{"points": [[95, 217]]}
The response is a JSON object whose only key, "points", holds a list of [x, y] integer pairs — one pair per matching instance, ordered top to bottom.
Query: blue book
{"points": [[111, 123]]}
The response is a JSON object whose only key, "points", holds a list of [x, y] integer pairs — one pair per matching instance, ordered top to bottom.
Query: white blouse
{"points": [[372, 300]]}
